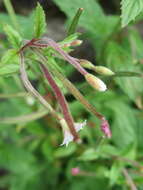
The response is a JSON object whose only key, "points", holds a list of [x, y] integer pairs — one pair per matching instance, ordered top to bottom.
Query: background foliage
{"points": [[30, 155]]}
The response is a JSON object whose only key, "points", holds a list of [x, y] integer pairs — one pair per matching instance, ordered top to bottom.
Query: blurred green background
{"points": [[30, 155]]}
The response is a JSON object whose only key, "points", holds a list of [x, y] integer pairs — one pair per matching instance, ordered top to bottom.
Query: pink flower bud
{"points": [[106, 128], [75, 171]]}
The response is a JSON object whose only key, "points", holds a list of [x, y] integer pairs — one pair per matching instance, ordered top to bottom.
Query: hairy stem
{"points": [[67, 57], [32, 90], [74, 91], [62, 101], [24, 118], [129, 179]]}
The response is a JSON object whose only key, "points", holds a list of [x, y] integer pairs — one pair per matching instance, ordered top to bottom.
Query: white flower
{"points": [[68, 137]]}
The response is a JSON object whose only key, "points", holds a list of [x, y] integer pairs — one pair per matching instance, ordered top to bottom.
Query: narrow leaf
{"points": [[40, 22], [74, 23], [13, 36], [9, 57], [9, 69]]}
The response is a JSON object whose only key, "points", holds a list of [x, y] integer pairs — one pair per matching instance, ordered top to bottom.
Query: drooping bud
{"points": [[103, 70], [95, 82], [106, 128]]}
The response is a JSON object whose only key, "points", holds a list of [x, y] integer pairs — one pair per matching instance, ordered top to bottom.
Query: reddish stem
{"points": [[29, 43], [67, 57], [62, 101]]}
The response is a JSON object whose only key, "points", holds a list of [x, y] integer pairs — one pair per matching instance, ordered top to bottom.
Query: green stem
{"points": [[33, 91], [74, 91], [16, 95], [24, 118]]}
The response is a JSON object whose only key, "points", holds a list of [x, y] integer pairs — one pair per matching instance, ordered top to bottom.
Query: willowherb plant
{"points": [[36, 52], [39, 70], [48, 70]]}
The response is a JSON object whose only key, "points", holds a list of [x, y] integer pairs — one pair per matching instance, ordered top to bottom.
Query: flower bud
{"points": [[73, 43], [76, 43], [86, 64], [103, 70], [95, 82], [106, 128], [75, 171]]}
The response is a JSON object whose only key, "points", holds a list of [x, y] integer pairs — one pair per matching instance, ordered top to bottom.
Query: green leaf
{"points": [[130, 9], [89, 16], [25, 22], [40, 22], [74, 23], [98, 25], [13, 36], [70, 39], [136, 44], [9, 57], [119, 58], [9, 69], [124, 123], [63, 151], [130, 151], [89, 155], [115, 172]]}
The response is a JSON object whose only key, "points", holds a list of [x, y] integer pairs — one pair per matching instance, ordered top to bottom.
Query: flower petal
{"points": [[68, 137]]}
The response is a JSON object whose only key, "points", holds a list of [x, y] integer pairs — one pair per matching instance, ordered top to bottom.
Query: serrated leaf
{"points": [[130, 9], [93, 19], [22, 20], [40, 22], [13, 36], [9, 57], [119, 58], [9, 69], [124, 123], [89, 155], [115, 172]]}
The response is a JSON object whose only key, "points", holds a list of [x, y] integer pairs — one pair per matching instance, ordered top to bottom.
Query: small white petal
{"points": [[95, 82], [102, 85], [79, 126], [68, 137]]}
